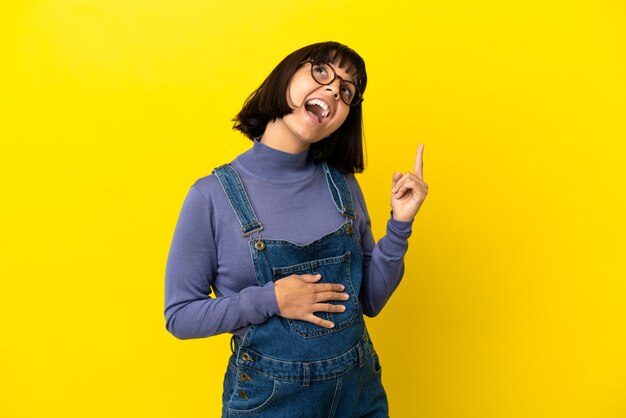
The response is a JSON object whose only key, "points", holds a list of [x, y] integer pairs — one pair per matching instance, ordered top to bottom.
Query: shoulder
{"points": [[208, 186], [355, 187], [206, 196]]}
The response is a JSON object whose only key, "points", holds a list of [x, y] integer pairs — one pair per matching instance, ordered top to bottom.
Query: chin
{"points": [[311, 139], [317, 140]]}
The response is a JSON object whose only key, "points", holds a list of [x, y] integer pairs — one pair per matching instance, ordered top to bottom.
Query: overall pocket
{"points": [[332, 270], [376, 367], [252, 393]]}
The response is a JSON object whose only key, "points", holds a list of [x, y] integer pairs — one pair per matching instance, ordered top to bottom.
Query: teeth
{"points": [[320, 104]]}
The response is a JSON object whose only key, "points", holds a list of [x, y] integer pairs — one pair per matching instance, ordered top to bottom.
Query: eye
{"points": [[320, 69], [322, 73], [347, 91]]}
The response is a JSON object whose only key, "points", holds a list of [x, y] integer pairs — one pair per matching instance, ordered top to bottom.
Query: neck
{"points": [[277, 136], [275, 166]]}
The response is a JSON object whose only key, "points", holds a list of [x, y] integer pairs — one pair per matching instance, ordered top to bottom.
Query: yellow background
{"points": [[513, 302]]}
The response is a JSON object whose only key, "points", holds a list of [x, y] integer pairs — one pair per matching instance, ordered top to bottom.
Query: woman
{"points": [[282, 236]]}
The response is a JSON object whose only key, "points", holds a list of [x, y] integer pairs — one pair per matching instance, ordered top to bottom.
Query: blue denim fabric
{"points": [[231, 183], [291, 368]]}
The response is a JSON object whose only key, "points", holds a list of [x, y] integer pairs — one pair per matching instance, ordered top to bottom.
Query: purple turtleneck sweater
{"points": [[290, 196]]}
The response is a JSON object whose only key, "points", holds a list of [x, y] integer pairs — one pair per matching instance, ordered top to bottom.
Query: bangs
{"points": [[344, 57]]}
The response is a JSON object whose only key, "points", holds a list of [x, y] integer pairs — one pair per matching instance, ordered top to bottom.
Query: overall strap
{"points": [[233, 187], [339, 190]]}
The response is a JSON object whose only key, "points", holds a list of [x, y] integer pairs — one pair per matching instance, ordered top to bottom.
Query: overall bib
{"points": [[291, 368]]}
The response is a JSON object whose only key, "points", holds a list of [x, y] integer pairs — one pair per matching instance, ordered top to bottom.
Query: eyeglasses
{"points": [[325, 74]]}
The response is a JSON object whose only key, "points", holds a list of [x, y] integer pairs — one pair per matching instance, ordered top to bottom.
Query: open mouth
{"points": [[318, 108]]}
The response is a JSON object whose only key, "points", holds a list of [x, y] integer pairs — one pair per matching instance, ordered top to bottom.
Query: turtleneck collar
{"points": [[274, 166]]}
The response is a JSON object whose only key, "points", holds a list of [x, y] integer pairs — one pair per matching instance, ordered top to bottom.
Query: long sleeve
{"points": [[383, 262], [192, 266]]}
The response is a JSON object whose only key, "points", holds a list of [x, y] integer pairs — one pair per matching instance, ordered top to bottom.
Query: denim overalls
{"points": [[292, 368]]}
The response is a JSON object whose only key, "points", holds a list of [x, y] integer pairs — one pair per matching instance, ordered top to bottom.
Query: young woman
{"points": [[282, 236]]}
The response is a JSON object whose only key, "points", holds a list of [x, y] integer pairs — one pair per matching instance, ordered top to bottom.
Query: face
{"points": [[318, 110]]}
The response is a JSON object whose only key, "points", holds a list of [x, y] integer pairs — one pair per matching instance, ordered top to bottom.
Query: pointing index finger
{"points": [[419, 162]]}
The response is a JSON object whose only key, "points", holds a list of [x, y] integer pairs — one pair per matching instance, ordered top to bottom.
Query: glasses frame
{"points": [[336, 76]]}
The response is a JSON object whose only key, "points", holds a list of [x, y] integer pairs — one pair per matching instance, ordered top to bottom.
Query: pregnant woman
{"points": [[281, 236]]}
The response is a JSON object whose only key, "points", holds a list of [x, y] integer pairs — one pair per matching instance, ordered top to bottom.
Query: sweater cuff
{"points": [[401, 227], [396, 240], [270, 298], [259, 303]]}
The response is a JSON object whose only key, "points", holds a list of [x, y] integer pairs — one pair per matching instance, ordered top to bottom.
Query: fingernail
{"points": [[342, 287], [343, 308], [332, 325]]}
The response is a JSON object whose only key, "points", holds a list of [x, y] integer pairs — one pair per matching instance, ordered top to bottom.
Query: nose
{"points": [[334, 88]]}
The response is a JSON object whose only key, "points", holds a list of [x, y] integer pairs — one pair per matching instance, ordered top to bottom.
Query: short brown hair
{"points": [[344, 147]]}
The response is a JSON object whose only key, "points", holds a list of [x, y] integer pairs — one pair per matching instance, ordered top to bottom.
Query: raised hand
{"points": [[408, 190], [298, 296]]}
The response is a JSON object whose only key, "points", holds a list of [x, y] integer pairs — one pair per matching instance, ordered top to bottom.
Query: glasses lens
{"points": [[324, 74], [348, 92]]}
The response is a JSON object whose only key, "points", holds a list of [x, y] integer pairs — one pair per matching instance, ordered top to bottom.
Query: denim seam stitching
{"points": [[331, 182], [346, 207], [246, 215], [316, 243], [314, 263], [333, 405], [259, 408]]}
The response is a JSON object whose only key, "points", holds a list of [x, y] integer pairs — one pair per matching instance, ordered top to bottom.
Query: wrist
{"points": [[395, 217]]}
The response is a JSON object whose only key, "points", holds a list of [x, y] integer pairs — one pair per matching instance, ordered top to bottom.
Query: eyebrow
{"points": [[336, 66], [351, 79]]}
